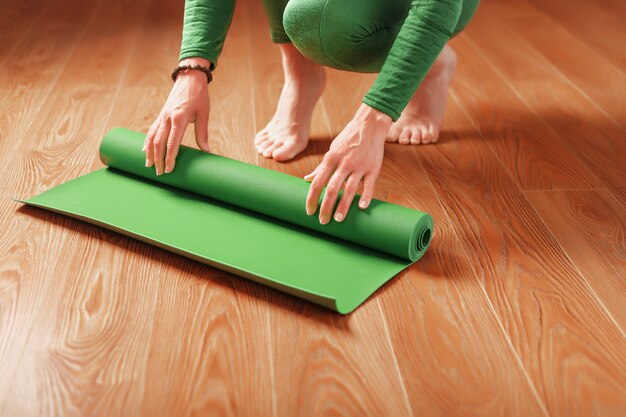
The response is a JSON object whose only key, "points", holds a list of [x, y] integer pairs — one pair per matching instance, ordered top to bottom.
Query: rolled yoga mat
{"points": [[244, 219]]}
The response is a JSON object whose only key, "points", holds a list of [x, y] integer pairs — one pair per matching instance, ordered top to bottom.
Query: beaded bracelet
{"points": [[198, 67]]}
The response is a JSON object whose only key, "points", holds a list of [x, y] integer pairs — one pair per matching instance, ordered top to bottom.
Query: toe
{"points": [[434, 133], [393, 134], [261, 136], [426, 136], [405, 137], [416, 137], [264, 142], [260, 148], [289, 150], [268, 151], [285, 152]]}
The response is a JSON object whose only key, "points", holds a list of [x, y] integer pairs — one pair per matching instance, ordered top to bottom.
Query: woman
{"points": [[405, 41]]}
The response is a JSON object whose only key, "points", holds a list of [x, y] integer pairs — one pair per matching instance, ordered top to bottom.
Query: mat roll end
{"points": [[421, 238]]}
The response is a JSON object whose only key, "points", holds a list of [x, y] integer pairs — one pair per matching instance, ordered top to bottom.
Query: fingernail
{"points": [[147, 164], [168, 170], [362, 204], [309, 211], [338, 217], [324, 219]]}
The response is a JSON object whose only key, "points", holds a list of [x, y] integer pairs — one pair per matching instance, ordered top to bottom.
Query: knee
{"points": [[303, 21], [332, 33]]}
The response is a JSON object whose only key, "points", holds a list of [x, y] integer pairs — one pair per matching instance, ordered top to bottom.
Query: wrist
{"points": [[195, 60], [189, 68], [193, 76], [367, 113]]}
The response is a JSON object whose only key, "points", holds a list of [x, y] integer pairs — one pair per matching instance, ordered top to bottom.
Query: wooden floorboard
{"points": [[582, 19], [17, 20], [42, 53], [548, 54], [596, 77], [552, 80], [534, 155], [590, 226], [546, 307], [442, 309], [517, 309]]}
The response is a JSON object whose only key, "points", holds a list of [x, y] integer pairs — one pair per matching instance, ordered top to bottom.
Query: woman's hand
{"points": [[188, 102], [355, 155]]}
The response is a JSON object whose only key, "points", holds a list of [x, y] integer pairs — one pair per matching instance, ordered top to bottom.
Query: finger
{"points": [[202, 131], [150, 134], [160, 141], [173, 143], [147, 145], [309, 177], [369, 182], [316, 187], [350, 189], [331, 194]]}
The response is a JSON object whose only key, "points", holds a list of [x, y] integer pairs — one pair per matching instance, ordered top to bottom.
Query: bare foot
{"points": [[422, 118], [287, 134]]}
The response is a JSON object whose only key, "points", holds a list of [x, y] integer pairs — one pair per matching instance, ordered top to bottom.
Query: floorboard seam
{"points": [[595, 295], [505, 334], [405, 394]]}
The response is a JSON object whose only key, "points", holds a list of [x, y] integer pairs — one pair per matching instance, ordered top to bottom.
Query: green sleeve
{"points": [[205, 25], [424, 33]]}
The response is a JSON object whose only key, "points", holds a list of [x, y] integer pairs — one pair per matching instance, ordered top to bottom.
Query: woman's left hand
{"points": [[355, 155]]}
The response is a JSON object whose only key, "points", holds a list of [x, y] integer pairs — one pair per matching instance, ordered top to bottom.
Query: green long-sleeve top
{"points": [[425, 31]]}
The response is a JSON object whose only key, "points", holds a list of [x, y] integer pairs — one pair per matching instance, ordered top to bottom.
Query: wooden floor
{"points": [[518, 308]]}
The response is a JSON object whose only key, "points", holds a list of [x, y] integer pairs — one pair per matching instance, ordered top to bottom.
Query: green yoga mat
{"points": [[244, 219]]}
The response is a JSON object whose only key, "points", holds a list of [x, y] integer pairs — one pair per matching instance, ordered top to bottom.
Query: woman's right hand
{"points": [[188, 102]]}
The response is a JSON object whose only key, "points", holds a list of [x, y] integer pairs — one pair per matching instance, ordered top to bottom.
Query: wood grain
{"points": [[17, 19], [582, 20], [161, 33], [43, 52], [539, 67], [594, 77], [535, 156], [590, 226], [516, 309], [441, 313], [555, 322]]}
